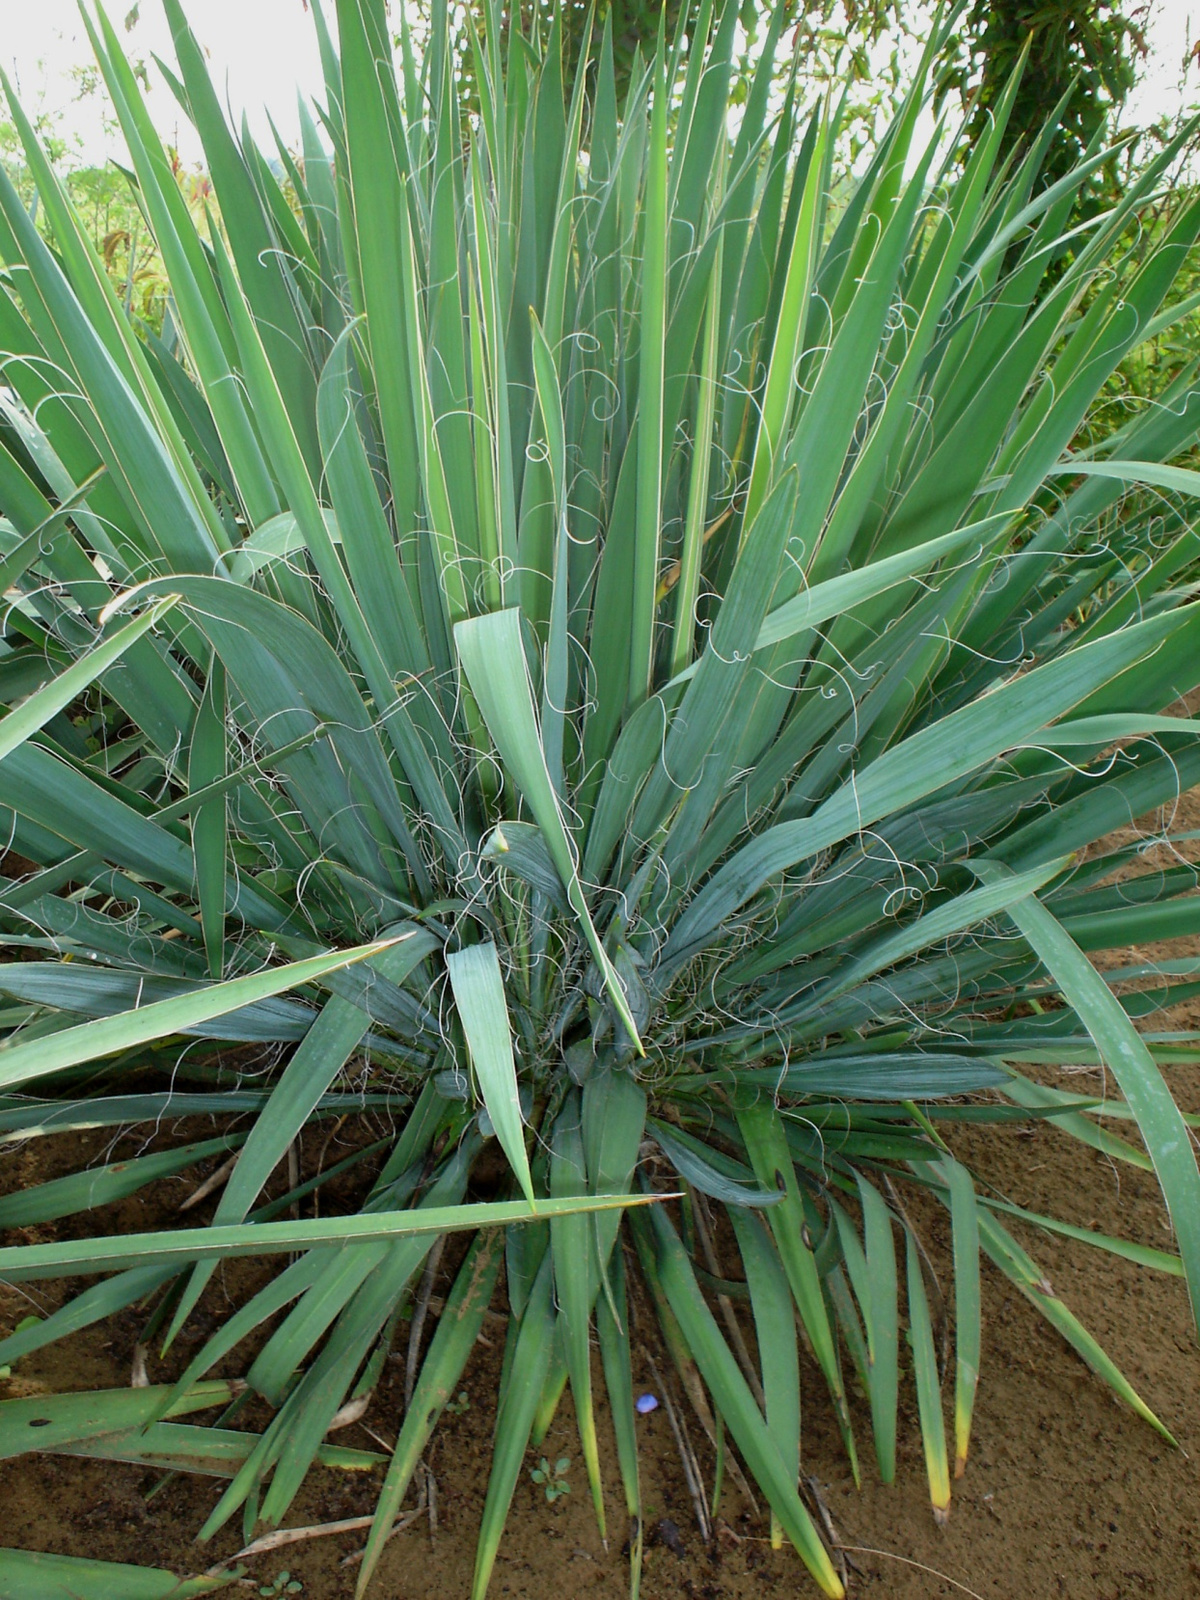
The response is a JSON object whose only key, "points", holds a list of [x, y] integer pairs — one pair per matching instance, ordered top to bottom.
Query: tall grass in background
{"points": [[573, 643]]}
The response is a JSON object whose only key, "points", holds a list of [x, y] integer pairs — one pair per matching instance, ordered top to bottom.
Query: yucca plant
{"points": [[642, 656]]}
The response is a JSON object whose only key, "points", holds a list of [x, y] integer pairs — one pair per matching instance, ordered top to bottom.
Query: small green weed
{"points": [[25, 1322], [552, 1478], [284, 1584]]}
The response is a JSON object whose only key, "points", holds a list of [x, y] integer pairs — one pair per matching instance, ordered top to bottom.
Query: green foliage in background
{"points": [[634, 27], [1081, 63], [104, 203], [580, 648]]}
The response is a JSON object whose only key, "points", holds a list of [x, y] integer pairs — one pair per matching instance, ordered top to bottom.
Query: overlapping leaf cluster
{"points": [[626, 661]]}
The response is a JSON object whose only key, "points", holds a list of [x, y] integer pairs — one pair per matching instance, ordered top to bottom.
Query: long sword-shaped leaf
{"points": [[780, 388], [1182, 479], [647, 542], [688, 584], [834, 595], [493, 658], [63, 690], [207, 764], [917, 766], [964, 911], [478, 986], [1124, 1052], [322, 1054], [20, 1063], [766, 1144], [100, 1186], [183, 1245], [1024, 1272], [576, 1282], [101, 1300], [967, 1310], [881, 1311], [458, 1328], [612, 1333], [775, 1334], [520, 1393], [929, 1393], [733, 1399], [42, 1422], [189, 1447], [27, 1575]]}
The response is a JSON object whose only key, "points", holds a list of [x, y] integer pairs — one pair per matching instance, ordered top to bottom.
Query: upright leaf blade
{"points": [[493, 658], [478, 986], [1124, 1052]]}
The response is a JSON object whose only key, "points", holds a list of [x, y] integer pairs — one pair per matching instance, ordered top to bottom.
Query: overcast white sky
{"points": [[1172, 28], [261, 50]]}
